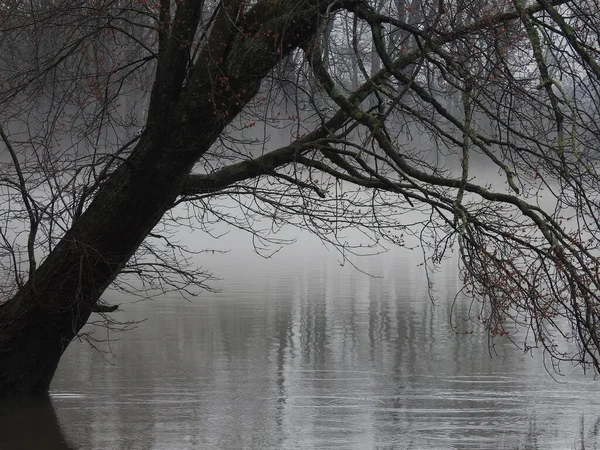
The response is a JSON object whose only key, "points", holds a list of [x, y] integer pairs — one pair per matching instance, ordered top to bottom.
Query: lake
{"points": [[298, 353]]}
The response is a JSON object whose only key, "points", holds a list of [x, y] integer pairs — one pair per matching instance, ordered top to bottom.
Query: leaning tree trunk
{"points": [[186, 115]]}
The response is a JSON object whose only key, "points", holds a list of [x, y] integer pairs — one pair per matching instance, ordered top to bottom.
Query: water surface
{"points": [[308, 355]]}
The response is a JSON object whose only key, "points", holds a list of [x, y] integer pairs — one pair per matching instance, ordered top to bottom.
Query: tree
{"points": [[117, 112]]}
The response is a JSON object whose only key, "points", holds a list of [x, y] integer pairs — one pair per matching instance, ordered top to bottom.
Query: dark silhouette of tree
{"points": [[117, 115], [20, 416]]}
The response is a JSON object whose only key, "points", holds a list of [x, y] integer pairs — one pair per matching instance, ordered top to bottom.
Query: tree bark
{"points": [[187, 114]]}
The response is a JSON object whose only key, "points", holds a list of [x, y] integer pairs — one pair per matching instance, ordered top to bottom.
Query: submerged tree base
{"points": [[30, 423]]}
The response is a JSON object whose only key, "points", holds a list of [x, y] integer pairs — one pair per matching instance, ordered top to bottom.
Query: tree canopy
{"points": [[470, 125]]}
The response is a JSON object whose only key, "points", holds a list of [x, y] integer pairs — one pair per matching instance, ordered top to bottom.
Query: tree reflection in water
{"points": [[30, 423]]}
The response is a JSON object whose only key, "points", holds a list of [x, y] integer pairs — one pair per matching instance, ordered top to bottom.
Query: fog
{"points": [[368, 226]]}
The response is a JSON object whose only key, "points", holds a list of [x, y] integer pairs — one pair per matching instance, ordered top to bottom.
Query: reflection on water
{"points": [[315, 356], [30, 424]]}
